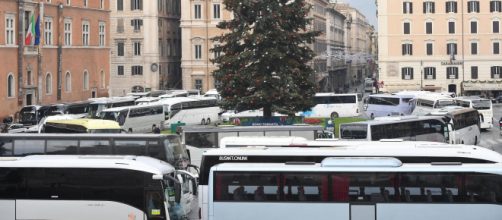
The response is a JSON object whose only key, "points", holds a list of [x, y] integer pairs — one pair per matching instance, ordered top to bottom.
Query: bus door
{"points": [[362, 211]]}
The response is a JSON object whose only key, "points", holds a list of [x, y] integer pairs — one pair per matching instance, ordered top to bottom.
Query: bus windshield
{"points": [[383, 101], [444, 103], [481, 104], [118, 116], [354, 131]]}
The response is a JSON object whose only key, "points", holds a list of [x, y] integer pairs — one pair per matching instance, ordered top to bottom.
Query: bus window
{"points": [[355, 131], [201, 140], [6, 147], [25, 147], [61, 147], [95, 147], [130, 147], [157, 150], [238, 186], [305, 187], [371, 187], [425, 187], [483, 188], [154, 203]]}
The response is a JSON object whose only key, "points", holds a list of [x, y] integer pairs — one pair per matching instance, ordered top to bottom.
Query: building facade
{"points": [[358, 45], [442, 45], [146, 51], [71, 61], [336, 64]]}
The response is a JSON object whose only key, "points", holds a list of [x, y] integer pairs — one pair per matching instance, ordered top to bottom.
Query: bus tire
{"points": [[334, 115], [372, 116], [208, 121], [203, 122]]}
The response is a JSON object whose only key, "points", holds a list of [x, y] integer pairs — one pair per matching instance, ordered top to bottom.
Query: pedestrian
{"points": [[155, 129]]}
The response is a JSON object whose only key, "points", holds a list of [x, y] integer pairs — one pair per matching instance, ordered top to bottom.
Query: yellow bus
{"points": [[83, 125]]}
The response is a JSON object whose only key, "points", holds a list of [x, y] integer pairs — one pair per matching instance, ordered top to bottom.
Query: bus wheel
{"points": [[334, 115], [372, 116], [208, 121], [203, 122], [476, 140], [462, 142]]}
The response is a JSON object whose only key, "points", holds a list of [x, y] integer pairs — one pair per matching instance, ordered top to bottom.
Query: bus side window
{"points": [[29, 147], [95, 147], [130, 147], [154, 205]]}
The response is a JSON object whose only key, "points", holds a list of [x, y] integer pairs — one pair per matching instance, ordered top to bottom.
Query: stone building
{"points": [[71, 63]]}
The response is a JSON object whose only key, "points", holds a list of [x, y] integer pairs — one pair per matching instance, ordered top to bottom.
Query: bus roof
{"points": [[333, 94], [392, 95], [470, 98], [107, 100], [117, 109], [451, 110], [396, 119], [88, 123], [251, 128], [84, 136], [366, 148], [139, 163], [319, 167]]}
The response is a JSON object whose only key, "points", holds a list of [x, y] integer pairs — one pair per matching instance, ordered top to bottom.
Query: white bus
{"points": [[426, 103], [99, 104], [331, 105], [379, 105], [484, 107], [190, 110], [136, 119], [463, 124], [410, 128], [199, 139], [416, 153], [87, 187], [355, 188]]}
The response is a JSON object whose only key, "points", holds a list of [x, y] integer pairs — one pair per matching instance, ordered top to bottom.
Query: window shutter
{"points": [[140, 4], [132, 5], [446, 6], [477, 6], [492, 6], [404, 7], [411, 7], [424, 7], [433, 7], [455, 7], [469, 7], [403, 48], [411, 49], [455, 49], [403, 71], [492, 72], [411, 73], [433, 73]]}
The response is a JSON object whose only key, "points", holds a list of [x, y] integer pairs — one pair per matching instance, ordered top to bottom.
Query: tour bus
{"points": [[426, 103], [99, 104], [331, 105], [379, 105], [484, 107], [190, 110], [33, 114], [138, 118], [463, 124], [81, 126], [411, 128], [199, 139], [167, 148], [413, 153], [88, 187], [355, 188]]}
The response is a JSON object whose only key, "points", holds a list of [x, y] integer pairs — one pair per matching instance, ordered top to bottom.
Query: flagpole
{"points": [[40, 56]]}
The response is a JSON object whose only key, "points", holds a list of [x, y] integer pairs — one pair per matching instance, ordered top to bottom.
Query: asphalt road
{"points": [[491, 138]]}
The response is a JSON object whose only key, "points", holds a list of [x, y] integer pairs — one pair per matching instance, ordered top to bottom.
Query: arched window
{"points": [[86, 80], [103, 80], [67, 82], [48, 84], [10, 86]]}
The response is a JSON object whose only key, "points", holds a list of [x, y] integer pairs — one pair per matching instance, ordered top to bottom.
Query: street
{"points": [[491, 138]]}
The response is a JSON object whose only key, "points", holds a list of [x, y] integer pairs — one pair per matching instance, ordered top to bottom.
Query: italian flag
{"points": [[30, 34]]}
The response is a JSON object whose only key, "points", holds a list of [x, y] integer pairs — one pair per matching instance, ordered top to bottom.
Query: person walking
{"points": [[155, 129]]}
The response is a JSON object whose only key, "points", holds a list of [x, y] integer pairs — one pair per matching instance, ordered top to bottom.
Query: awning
{"points": [[483, 85]]}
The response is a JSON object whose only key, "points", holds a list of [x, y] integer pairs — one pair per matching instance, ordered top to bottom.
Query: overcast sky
{"points": [[367, 7]]}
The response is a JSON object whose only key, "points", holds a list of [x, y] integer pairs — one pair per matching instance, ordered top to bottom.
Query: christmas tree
{"points": [[264, 57]]}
